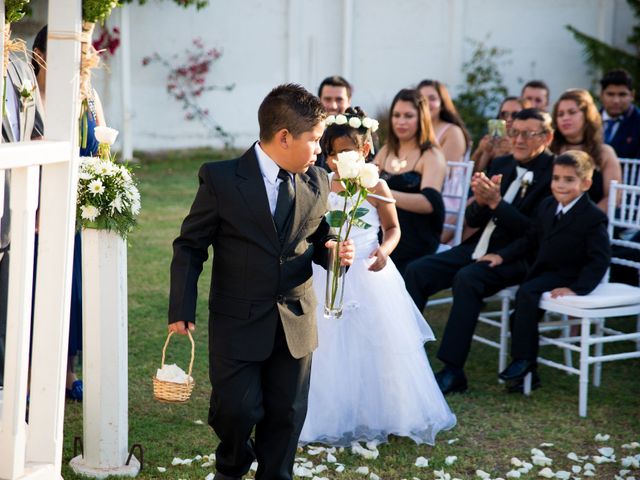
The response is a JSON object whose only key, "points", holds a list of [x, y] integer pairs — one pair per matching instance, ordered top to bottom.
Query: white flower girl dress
{"points": [[370, 376]]}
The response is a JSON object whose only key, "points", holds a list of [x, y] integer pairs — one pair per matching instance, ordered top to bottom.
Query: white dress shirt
{"points": [[13, 109], [270, 169], [568, 206]]}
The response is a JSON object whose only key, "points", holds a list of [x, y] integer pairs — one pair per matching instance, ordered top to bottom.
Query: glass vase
{"points": [[334, 289]]}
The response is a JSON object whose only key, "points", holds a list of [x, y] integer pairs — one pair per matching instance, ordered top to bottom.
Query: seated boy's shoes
{"points": [[517, 369], [451, 380], [517, 386]]}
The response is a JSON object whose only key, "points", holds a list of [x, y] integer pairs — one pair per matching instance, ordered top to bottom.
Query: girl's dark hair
{"points": [[40, 42], [448, 111], [359, 136], [425, 136]]}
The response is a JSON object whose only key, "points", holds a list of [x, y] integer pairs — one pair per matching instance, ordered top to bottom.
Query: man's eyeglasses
{"points": [[506, 115], [526, 134]]}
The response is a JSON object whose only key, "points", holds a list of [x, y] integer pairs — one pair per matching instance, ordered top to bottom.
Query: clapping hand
{"points": [[486, 191], [347, 251], [561, 292]]}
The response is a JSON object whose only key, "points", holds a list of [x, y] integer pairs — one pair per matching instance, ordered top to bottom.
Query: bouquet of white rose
{"points": [[356, 177], [108, 198]]}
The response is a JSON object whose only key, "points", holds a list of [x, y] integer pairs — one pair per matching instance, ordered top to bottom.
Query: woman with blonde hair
{"points": [[578, 126], [414, 167]]}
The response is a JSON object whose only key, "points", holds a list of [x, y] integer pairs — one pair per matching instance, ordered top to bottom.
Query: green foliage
{"points": [[181, 3], [14, 10], [97, 11], [603, 57], [483, 89]]}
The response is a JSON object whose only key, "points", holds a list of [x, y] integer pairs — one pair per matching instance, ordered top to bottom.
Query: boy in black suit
{"points": [[573, 254]]}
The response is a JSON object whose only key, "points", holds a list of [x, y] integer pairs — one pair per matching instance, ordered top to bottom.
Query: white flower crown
{"points": [[353, 120]]}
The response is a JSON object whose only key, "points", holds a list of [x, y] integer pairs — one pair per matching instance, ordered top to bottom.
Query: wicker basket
{"points": [[171, 392]]}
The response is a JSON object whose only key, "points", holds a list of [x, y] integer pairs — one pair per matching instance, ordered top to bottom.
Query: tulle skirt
{"points": [[370, 376]]}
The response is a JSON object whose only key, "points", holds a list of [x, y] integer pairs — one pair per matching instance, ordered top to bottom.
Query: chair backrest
{"points": [[630, 171], [455, 194], [625, 217]]}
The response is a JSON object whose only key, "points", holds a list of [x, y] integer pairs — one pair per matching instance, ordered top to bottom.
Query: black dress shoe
{"points": [[517, 370], [451, 380], [517, 386], [222, 476]]}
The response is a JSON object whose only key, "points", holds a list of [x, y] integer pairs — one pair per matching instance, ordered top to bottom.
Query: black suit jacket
{"points": [[626, 141], [512, 219], [575, 248], [256, 281]]}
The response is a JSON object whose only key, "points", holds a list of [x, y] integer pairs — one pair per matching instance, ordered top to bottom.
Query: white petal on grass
{"points": [[601, 437], [452, 441], [372, 445], [545, 445], [315, 450], [606, 451], [536, 452], [573, 456], [331, 458], [450, 460], [176, 461], [541, 461], [422, 462], [516, 462], [207, 464], [527, 465], [589, 466], [320, 468], [340, 468], [162, 469], [576, 469], [362, 470], [302, 471], [546, 473], [588, 473], [482, 474], [513, 474], [442, 475], [563, 475], [373, 476], [209, 477], [319, 478]]}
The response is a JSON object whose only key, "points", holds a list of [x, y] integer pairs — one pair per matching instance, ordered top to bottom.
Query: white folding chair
{"points": [[630, 171], [455, 194], [608, 300]]}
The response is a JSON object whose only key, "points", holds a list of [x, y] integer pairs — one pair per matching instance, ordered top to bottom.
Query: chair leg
{"points": [[504, 335], [568, 354], [584, 367], [597, 368], [526, 384]]}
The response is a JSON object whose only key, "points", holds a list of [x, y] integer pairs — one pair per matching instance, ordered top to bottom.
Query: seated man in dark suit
{"points": [[620, 117], [503, 206], [570, 236]]}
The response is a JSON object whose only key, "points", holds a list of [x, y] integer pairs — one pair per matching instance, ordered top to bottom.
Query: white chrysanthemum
{"points": [[341, 119], [355, 122], [106, 135], [349, 164], [106, 168], [85, 176], [369, 176], [96, 187], [116, 204], [135, 207], [89, 212]]}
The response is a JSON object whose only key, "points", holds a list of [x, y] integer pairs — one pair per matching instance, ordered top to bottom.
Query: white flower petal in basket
{"points": [[605, 295]]}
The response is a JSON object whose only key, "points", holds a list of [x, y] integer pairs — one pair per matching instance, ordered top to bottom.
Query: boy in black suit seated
{"points": [[573, 254]]}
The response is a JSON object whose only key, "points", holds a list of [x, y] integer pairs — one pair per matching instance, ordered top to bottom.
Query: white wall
{"points": [[393, 45]]}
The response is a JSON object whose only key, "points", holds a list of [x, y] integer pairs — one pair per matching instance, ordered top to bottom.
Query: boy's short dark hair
{"points": [[619, 76], [335, 81], [289, 106], [536, 114], [579, 160]]}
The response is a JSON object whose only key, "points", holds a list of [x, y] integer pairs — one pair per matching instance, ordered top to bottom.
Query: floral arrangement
{"points": [[14, 10], [94, 11], [187, 81], [353, 121], [357, 177], [108, 198]]}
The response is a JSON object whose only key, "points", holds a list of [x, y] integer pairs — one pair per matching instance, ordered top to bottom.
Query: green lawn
{"points": [[492, 426]]}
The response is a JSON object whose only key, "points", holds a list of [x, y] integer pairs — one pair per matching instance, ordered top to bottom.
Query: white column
{"points": [[347, 38], [125, 82], [104, 360]]}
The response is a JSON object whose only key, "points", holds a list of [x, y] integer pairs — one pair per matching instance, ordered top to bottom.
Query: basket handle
{"points": [[193, 350]]}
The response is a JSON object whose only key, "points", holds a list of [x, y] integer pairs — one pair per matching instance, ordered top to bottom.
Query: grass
{"points": [[492, 426]]}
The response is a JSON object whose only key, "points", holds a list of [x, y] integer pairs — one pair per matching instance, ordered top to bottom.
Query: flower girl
{"points": [[370, 376]]}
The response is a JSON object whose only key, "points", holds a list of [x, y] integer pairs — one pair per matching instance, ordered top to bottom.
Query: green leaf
{"points": [[343, 193], [360, 212], [336, 218], [360, 224]]}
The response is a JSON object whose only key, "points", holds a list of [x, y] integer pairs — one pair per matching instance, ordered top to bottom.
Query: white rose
{"points": [[341, 119], [330, 120], [355, 122], [367, 122], [374, 125], [106, 135], [349, 163], [369, 175], [527, 177]]}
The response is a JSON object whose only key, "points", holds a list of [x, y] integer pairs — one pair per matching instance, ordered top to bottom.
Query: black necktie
{"points": [[609, 125], [284, 203], [558, 217]]}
